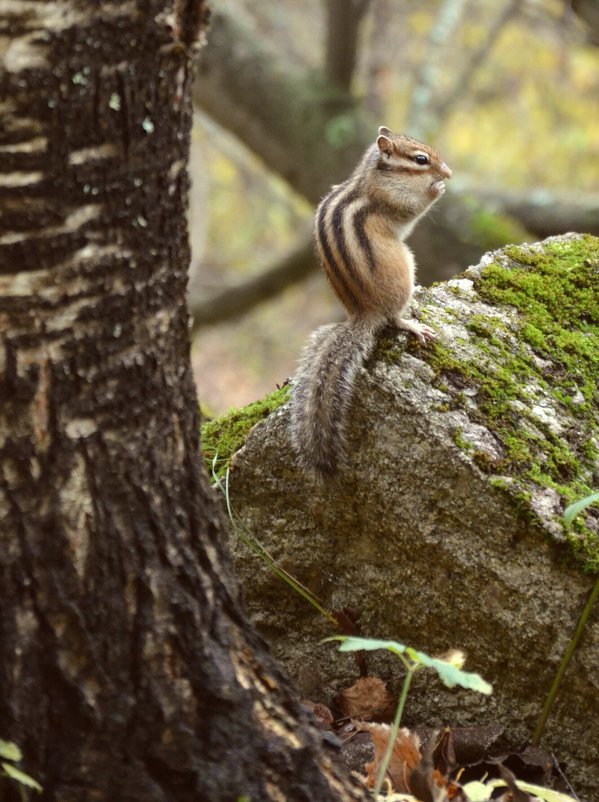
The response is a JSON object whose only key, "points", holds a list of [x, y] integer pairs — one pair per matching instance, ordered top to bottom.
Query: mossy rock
{"points": [[529, 374], [223, 436], [446, 528]]}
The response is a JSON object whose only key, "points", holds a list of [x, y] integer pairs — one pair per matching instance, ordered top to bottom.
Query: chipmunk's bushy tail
{"points": [[323, 390]]}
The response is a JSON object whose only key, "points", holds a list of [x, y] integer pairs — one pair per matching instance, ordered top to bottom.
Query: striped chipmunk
{"points": [[360, 228]]}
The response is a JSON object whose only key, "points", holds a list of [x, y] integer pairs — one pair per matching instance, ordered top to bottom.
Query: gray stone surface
{"points": [[430, 549]]}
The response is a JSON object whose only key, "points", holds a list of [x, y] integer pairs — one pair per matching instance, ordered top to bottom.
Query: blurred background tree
{"points": [[506, 89]]}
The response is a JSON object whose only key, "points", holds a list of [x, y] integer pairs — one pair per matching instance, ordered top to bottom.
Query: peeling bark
{"points": [[127, 670]]}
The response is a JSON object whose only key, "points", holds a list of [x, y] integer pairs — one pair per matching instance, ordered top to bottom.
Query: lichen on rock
{"points": [[519, 353]]}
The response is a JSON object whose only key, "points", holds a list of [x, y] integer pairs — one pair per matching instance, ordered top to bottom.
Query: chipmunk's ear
{"points": [[384, 131], [384, 145]]}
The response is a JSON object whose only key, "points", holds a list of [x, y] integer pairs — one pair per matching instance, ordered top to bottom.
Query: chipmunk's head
{"points": [[410, 167]]}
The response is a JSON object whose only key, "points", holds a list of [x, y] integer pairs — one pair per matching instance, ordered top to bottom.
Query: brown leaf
{"points": [[367, 698], [322, 714], [480, 748], [404, 758], [444, 759]]}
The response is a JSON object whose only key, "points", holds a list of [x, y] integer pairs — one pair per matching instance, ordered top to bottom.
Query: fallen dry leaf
{"points": [[367, 698], [322, 714], [404, 758]]}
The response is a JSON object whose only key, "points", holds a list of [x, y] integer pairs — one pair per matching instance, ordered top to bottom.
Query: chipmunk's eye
{"points": [[420, 158]]}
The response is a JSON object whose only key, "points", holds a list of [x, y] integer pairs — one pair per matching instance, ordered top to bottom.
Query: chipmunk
{"points": [[360, 228]]}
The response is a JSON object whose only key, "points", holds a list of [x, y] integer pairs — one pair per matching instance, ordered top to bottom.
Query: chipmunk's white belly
{"points": [[404, 230]]}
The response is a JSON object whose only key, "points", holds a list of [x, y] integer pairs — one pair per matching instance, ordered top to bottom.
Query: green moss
{"points": [[554, 345], [388, 348], [222, 437], [461, 441], [499, 482]]}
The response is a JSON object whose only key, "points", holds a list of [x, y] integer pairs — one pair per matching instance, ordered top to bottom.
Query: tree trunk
{"points": [[127, 670]]}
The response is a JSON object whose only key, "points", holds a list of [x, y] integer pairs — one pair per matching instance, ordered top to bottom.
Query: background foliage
{"points": [[515, 110]]}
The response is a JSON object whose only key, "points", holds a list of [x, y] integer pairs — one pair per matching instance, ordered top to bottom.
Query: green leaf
{"points": [[575, 509], [355, 644], [449, 673], [10, 751], [21, 777], [477, 791], [545, 794]]}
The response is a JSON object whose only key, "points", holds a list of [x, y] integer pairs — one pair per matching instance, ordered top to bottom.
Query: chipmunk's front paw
{"points": [[419, 330]]}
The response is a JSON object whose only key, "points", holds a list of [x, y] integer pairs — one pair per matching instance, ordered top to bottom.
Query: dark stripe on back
{"points": [[360, 218], [339, 232], [326, 248]]}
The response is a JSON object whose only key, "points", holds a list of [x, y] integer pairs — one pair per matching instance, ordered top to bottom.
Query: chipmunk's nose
{"points": [[445, 171]]}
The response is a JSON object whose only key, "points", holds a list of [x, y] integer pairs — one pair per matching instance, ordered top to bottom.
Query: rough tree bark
{"points": [[127, 670]]}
